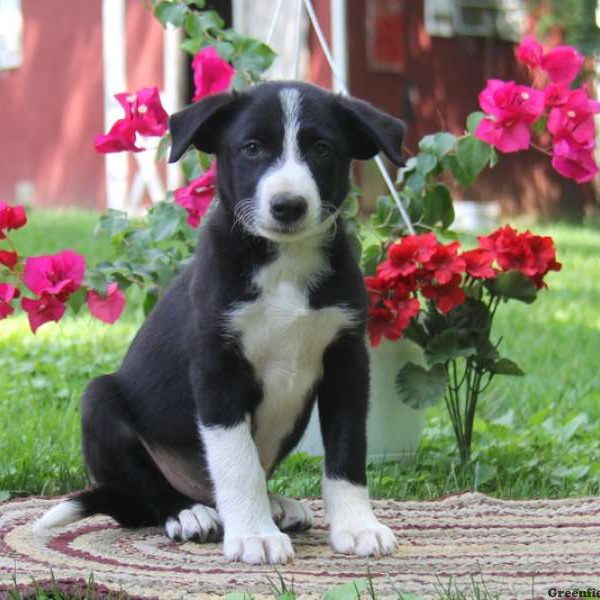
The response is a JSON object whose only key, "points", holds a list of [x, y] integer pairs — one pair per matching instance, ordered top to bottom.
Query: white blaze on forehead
{"points": [[290, 104], [289, 174]]}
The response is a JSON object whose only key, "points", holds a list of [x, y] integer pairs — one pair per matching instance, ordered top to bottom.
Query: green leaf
{"points": [[198, 3], [171, 13], [198, 24], [192, 45], [253, 56], [473, 120], [438, 144], [163, 147], [473, 155], [426, 163], [451, 163], [190, 164], [415, 182], [438, 206], [351, 207], [165, 219], [112, 223], [96, 280], [513, 284], [77, 300], [150, 300], [445, 346], [504, 366], [419, 387], [4, 495], [347, 591]]}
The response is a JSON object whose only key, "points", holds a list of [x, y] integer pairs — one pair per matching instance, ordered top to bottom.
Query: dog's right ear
{"points": [[200, 124]]}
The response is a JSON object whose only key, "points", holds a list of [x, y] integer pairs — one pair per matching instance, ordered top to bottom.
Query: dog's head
{"points": [[283, 151]]}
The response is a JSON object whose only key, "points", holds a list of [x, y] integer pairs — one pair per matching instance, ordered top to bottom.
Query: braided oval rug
{"points": [[512, 549]]}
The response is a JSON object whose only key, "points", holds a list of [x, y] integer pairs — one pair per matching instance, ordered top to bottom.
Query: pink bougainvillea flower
{"points": [[529, 52], [562, 64], [212, 74], [556, 94], [510, 109], [145, 110], [574, 119], [121, 137], [574, 162], [197, 195], [11, 217], [8, 259], [445, 263], [478, 263], [57, 275], [7, 294], [446, 297], [107, 308], [42, 310]]}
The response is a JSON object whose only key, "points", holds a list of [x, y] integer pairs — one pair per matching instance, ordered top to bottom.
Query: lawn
{"points": [[535, 436]]}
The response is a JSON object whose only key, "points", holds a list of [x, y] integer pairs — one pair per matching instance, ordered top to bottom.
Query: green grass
{"points": [[535, 436]]}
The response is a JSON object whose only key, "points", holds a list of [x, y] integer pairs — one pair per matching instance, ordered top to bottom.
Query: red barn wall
{"points": [[52, 106]]}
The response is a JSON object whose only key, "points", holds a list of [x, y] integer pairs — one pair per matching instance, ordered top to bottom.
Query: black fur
{"points": [[182, 365]]}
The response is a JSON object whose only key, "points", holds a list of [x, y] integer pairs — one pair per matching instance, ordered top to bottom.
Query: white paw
{"points": [[290, 515], [198, 522], [373, 539], [273, 548]]}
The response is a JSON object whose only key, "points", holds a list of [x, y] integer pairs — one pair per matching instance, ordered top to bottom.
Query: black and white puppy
{"points": [[218, 385]]}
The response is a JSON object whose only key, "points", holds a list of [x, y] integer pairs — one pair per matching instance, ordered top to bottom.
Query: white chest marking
{"points": [[284, 340]]}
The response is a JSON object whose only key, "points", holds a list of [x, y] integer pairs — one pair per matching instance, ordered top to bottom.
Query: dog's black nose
{"points": [[288, 209]]}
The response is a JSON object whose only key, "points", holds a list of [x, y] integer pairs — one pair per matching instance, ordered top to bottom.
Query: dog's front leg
{"points": [[343, 399], [239, 481]]}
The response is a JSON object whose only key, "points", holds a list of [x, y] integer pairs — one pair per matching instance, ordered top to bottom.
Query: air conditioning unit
{"points": [[504, 19]]}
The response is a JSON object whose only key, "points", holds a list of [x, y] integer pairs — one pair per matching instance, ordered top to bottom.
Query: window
{"points": [[11, 34]]}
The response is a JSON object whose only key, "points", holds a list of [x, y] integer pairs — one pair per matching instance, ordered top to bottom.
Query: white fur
{"points": [[289, 174], [284, 340], [241, 494], [289, 513], [62, 514], [197, 522], [354, 529]]}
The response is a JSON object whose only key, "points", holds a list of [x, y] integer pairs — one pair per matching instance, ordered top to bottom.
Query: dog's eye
{"points": [[252, 149], [322, 149]]}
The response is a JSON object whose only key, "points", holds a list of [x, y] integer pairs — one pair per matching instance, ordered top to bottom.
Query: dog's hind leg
{"points": [[290, 515]]}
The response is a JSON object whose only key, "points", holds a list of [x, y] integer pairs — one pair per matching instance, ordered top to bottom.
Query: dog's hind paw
{"points": [[290, 515], [199, 523]]}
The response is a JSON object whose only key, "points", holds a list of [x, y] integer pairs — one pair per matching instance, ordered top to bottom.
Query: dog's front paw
{"points": [[290, 515], [364, 540], [272, 548]]}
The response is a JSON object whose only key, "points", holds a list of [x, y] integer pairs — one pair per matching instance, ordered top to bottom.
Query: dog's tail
{"points": [[126, 510]]}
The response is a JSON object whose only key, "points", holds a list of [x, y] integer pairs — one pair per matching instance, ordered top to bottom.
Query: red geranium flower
{"points": [[212, 74], [197, 195], [11, 217], [404, 256], [8, 259], [445, 263], [478, 263], [58, 275], [7, 294], [446, 297], [109, 307], [42, 310], [390, 323]]}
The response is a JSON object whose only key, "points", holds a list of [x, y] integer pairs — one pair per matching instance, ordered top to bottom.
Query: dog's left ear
{"points": [[200, 124], [369, 130]]}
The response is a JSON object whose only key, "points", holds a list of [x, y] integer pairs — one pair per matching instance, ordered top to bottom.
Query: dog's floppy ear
{"points": [[199, 124], [369, 130]]}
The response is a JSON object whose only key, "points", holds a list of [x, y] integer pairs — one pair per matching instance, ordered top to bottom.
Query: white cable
{"points": [[274, 22], [344, 90]]}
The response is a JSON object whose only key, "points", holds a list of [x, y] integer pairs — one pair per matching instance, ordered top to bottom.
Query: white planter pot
{"points": [[393, 429]]}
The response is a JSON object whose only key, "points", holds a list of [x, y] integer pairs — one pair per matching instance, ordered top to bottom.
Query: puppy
{"points": [[218, 385]]}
